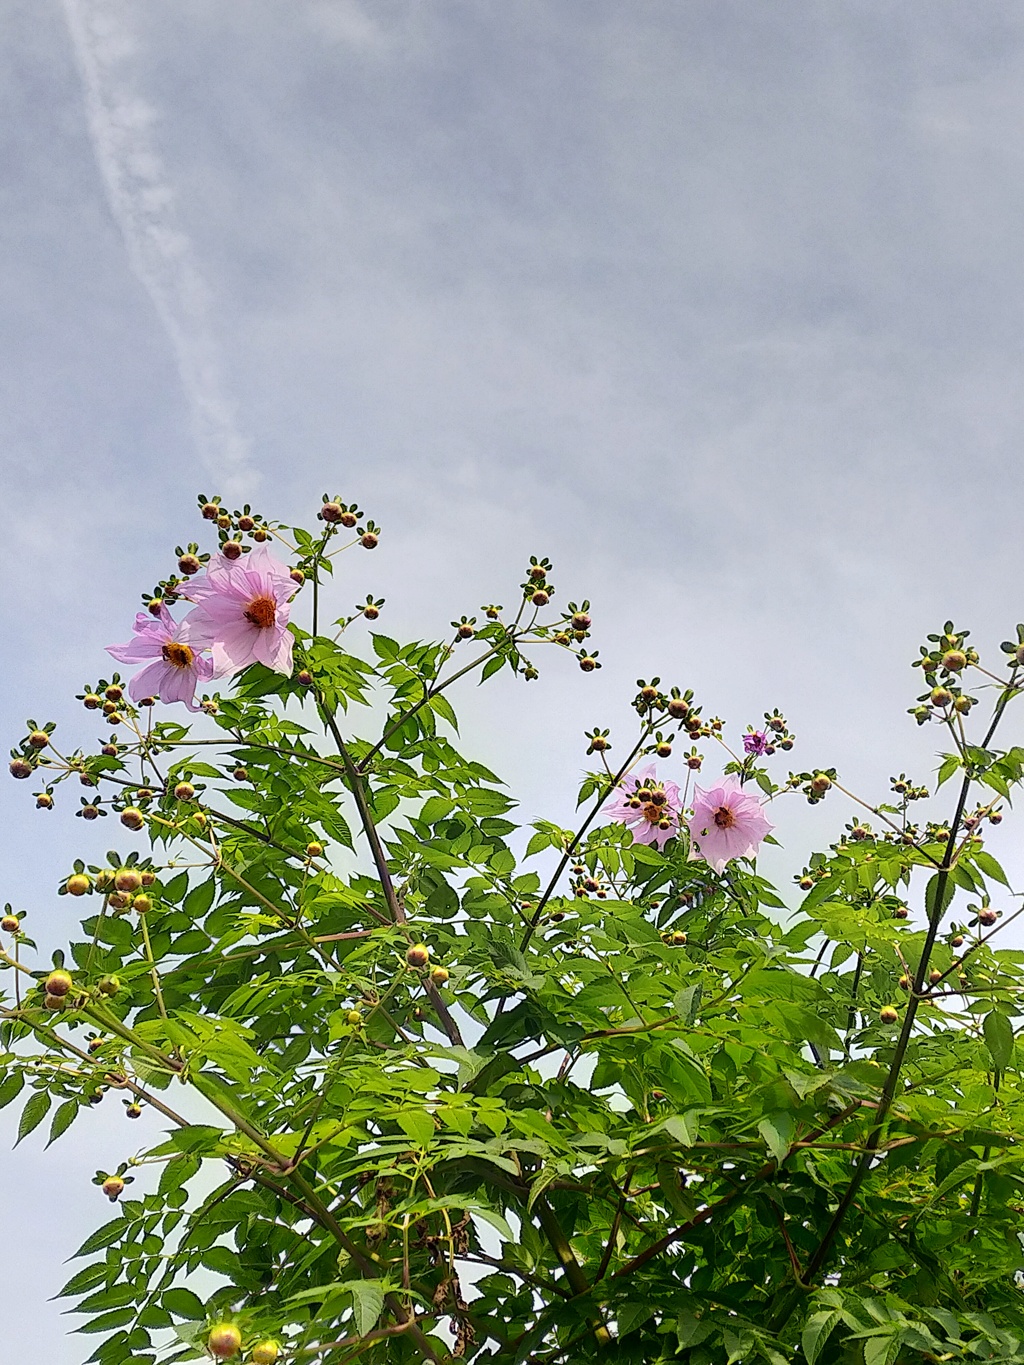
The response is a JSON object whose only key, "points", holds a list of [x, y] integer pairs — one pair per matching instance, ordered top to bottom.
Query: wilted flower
{"points": [[244, 606], [174, 648], [755, 742], [649, 807], [726, 823]]}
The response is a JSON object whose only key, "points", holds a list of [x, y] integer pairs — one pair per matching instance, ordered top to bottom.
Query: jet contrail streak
{"points": [[160, 253]]}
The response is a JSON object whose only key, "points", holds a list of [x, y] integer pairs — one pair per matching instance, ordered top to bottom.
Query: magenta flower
{"points": [[243, 606], [177, 665], [755, 742], [650, 808], [726, 823]]}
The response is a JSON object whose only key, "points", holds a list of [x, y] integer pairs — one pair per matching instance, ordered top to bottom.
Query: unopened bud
{"points": [[211, 511], [330, 512], [368, 541], [231, 549], [189, 565], [297, 576], [540, 598], [304, 678], [940, 696], [20, 768], [820, 783], [184, 791], [132, 818], [314, 850]]}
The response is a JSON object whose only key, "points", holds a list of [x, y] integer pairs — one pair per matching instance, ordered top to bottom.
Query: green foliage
{"points": [[627, 1107]]}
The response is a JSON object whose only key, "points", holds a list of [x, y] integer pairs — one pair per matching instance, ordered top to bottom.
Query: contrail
{"points": [[160, 253]]}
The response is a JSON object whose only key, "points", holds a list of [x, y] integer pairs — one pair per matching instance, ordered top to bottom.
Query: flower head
{"points": [[243, 605], [171, 651], [755, 742], [648, 806], [726, 823]]}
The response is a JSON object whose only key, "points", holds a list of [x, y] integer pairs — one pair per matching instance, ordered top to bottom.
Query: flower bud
{"points": [[210, 511], [330, 512], [348, 519], [223, 521], [245, 523], [259, 535], [368, 541], [231, 549], [189, 565], [297, 576], [539, 598], [155, 606], [371, 611], [581, 621], [465, 631], [954, 660], [587, 663], [304, 678], [940, 696], [91, 701], [208, 707], [677, 708], [39, 739], [599, 744], [664, 750], [109, 751], [693, 762], [20, 768], [240, 775], [820, 783], [184, 791], [995, 817], [132, 818], [314, 850], [148, 878], [128, 879], [806, 883], [77, 885], [142, 904], [901, 912], [988, 918], [10, 924], [957, 941], [418, 955], [439, 975], [935, 976], [59, 982], [904, 982], [108, 985], [888, 1014], [353, 1017], [133, 1111], [112, 1187], [224, 1341], [265, 1353]]}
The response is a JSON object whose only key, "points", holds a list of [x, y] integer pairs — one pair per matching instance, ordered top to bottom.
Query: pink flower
{"points": [[243, 606], [174, 648], [755, 742], [650, 808], [726, 823]]}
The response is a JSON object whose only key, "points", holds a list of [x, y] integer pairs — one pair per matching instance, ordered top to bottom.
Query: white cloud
{"points": [[161, 254]]}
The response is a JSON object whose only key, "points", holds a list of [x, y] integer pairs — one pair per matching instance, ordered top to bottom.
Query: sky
{"points": [[715, 302]]}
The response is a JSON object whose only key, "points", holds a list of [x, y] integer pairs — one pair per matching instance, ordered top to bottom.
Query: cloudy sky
{"points": [[715, 302]]}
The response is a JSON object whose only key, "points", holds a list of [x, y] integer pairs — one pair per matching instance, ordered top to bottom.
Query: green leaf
{"points": [[987, 864], [938, 895], [200, 898], [998, 1033], [10, 1087], [33, 1114], [63, 1119], [418, 1125], [778, 1130], [103, 1236], [184, 1304], [367, 1304], [816, 1333]]}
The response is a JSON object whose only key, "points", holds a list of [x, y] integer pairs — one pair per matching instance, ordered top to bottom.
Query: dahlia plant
{"points": [[430, 1085]]}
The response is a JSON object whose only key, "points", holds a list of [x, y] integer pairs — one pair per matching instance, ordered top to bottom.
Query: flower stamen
{"points": [[261, 612], [177, 654], [724, 818]]}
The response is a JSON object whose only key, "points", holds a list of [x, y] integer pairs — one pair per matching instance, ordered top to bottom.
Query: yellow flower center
{"points": [[261, 612], [178, 655], [653, 813], [724, 818]]}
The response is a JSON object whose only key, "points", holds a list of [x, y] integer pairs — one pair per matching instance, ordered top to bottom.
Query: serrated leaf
{"points": [[987, 864], [938, 894], [998, 1033], [10, 1087], [32, 1115], [63, 1119], [778, 1131], [184, 1304], [367, 1304], [816, 1333]]}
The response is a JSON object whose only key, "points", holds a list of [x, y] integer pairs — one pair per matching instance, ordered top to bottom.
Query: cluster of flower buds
{"points": [[337, 513], [230, 524], [537, 589], [574, 626], [942, 660], [110, 699], [780, 736], [27, 757], [813, 785], [905, 789], [806, 878], [586, 884], [674, 938]]}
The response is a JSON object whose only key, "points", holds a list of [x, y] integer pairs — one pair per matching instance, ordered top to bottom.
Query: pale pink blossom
{"points": [[243, 605], [171, 651], [648, 806], [726, 823]]}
